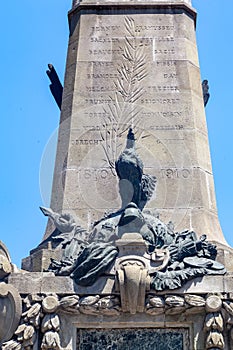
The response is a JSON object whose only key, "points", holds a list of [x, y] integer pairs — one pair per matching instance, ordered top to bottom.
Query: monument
{"points": [[138, 69], [133, 255]]}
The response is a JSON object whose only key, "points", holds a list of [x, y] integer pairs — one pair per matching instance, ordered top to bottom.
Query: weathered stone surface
{"points": [[165, 95], [168, 115], [225, 256], [40, 260], [5, 264], [5, 267], [46, 282], [228, 282], [27, 283], [62, 284], [204, 285], [194, 300], [213, 303], [50, 304], [10, 311], [103, 317], [214, 325]]}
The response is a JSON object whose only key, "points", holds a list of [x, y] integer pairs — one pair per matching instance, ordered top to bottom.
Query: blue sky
{"points": [[35, 33]]}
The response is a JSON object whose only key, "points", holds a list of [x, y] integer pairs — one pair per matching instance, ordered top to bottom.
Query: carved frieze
{"points": [[216, 311], [40, 324]]}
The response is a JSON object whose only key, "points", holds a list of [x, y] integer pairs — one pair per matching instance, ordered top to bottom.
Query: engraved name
{"points": [[105, 28], [138, 28], [164, 38], [104, 40], [150, 40], [106, 51], [165, 52], [168, 63], [100, 64], [103, 76], [100, 88], [165, 88], [160, 100], [98, 101], [97, 114], [162, 114], [110, 127], [166, 127], [91, 128], [170, 141], [85, 142]]}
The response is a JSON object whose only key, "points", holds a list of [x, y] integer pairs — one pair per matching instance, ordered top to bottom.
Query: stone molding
{"points": [[157, 3], [107, 5], [41, 327]]}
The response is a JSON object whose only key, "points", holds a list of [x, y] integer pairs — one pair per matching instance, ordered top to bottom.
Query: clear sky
{"points": [[35, 33]]}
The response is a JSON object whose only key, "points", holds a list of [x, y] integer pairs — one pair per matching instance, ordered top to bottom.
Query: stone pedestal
{"points": [[192, 317]]}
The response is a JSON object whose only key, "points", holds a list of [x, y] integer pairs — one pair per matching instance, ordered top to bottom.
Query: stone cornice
{"points": [[102, 6]]}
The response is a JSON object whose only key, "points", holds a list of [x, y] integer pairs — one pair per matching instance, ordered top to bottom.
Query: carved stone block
{"points": [[10, 311]]}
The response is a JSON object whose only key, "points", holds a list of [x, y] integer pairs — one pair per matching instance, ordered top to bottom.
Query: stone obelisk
{"points": [[135, 68]]}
